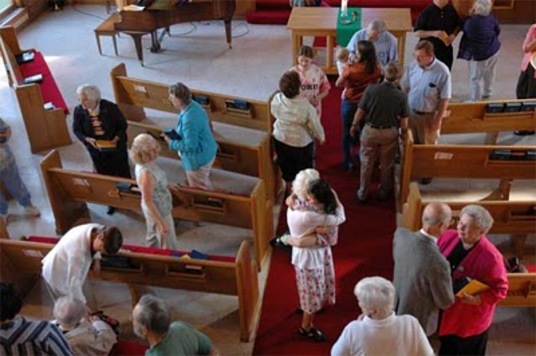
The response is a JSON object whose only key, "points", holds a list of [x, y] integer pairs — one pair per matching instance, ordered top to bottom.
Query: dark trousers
{"points": [[445, 55], [526, 84], [348, 110], [292, 160], [111, 163], [455, 345]]}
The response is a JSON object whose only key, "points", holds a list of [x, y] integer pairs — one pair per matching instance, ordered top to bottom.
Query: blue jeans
{"points": [[348, 110], [11, 179]]}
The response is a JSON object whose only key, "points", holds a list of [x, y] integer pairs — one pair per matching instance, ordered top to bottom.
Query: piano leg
{"points": [[228, 34], [136, 36]]}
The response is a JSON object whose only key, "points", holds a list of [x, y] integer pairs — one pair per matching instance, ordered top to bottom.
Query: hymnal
{"points": [[25, 57], [38, 78], [172, 134], [105, 145], [474, 287]]}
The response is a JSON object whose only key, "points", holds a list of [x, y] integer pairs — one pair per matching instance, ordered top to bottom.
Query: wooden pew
{"points": [[133, 95], [464, 118], [46, 128], [241, 150], [460, 161], [69, 191], [510, 217], [20, 264], [521, 290]]}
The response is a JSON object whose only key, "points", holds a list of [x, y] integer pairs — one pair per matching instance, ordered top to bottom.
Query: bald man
{"points": [[422, 275]]}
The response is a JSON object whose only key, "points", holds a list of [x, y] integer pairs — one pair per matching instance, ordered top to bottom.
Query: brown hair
{"points": [[426, 45], [306, 51], [367, 55], [392, 71], [289, 84], [181, 92], [112, 239]]}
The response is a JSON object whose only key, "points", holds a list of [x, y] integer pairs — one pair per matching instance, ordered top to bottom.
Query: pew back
{"points": [[133, 95], [466, 118], [458, 161], [69, 191], [21, 264]]}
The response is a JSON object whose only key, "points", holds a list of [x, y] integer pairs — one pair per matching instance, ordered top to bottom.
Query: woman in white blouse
{"points": [[296, 127]]}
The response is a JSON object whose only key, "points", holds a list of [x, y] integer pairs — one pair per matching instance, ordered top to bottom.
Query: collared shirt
{"points": [[433, 18], [386, 45], [427, 86], [384, 104], [296, 122], [431, 237], [23, 337], [181, 339]]}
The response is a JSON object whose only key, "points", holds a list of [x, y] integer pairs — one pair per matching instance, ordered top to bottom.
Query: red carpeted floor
{"points": [[364, 249]]}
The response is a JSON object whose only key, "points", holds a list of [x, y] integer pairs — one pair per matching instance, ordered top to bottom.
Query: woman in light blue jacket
{"points": [[195, 142]]}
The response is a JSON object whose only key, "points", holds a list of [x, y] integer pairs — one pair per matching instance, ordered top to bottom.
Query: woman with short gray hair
{"points": [[480, 46], [102, 129], [378, 331]]}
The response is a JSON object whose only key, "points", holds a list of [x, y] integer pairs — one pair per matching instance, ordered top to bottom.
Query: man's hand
{"points": [[449, 39], [436, 122], [354, 131], [471, 299]]}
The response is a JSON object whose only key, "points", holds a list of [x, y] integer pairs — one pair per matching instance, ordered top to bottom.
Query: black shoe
{"points": [[523, 133], [425, 181], [111, 210], [277, 243], [313, 334]]}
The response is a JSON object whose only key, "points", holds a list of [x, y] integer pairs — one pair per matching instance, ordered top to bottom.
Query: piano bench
{"points": [[107, 29]]}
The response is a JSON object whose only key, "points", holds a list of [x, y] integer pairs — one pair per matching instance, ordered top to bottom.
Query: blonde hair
{"points": [[144, 149], [300, 185]]}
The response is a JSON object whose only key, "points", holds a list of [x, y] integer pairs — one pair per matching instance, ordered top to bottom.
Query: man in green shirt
{"points": [[151, 320]]}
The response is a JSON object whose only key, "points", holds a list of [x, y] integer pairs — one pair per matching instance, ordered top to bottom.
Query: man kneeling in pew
{"points": [[66, 266]]}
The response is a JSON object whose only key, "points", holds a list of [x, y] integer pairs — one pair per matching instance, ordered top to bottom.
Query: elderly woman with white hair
{"points": [[480, 46], [101, 127], [156, 201], [464, 325], [378, 331], [87, 335]]}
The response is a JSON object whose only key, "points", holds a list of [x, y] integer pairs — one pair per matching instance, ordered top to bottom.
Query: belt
{"points": [[421, 112], [380, 127]]}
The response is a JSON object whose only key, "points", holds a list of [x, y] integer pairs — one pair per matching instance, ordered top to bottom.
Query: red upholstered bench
{"points": [[48, 87]]}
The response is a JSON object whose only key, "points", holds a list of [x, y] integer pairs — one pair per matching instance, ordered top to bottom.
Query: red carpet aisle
{"points": [[364, 249]]}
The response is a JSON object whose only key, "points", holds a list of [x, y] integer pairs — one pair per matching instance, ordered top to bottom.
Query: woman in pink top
{"points": [[314, 82], [526, 84], [464, 325]]}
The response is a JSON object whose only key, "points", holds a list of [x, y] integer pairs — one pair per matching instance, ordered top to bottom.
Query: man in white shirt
{"points": [[384, 42], [66, 266], [422, 275]]}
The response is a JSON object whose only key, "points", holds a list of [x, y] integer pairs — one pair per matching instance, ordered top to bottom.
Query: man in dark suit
{"points": [[422, 275]]}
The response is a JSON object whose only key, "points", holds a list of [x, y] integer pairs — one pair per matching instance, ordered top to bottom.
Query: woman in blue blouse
{"points": [[195, 145]]}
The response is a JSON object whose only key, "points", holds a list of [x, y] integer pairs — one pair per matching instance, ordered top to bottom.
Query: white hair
{"points": [[482, 7], [376, 25], [90, 91], [144, 149], [300, 184], [481, 217], [376, 293], [68, 311], [153, 314]]}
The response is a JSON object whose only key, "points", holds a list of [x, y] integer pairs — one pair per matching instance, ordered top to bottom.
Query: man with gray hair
{"points": [[384, 42], [385, 109], [422, 275], [151, 320], [465, 324], [378, 331], [87, 335]]}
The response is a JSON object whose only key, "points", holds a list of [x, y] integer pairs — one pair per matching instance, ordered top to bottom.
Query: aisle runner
{"points": [[364, 249]]}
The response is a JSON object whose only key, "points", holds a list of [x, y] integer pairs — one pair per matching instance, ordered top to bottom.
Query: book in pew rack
{"points": [[25, 57], [37, 78]]}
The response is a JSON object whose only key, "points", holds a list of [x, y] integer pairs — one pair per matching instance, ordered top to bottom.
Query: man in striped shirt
{"points": [[19, 336]]}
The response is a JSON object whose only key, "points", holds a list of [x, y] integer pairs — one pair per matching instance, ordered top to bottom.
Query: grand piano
{"points": [[161, 14]]}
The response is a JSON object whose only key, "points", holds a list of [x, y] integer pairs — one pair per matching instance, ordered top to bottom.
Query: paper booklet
{"points": [[473, 288]]}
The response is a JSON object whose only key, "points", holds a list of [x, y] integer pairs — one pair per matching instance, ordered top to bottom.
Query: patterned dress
{"points": [[313, 82], [315, 272]]}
